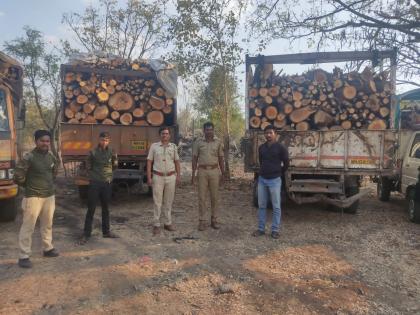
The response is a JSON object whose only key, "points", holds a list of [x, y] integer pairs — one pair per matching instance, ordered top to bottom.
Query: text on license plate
{"points": [[138, 145], [362, 161]]}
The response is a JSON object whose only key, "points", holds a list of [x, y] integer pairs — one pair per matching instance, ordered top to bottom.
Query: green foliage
{"points": [[42, 77], [209, 103]]}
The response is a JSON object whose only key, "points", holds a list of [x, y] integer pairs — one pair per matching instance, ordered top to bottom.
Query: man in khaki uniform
{"points": [[208, 158], [163, 163], [36, 172]]}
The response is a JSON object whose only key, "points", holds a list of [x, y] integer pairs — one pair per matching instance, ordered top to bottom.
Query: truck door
{"points": [[411, 164]]}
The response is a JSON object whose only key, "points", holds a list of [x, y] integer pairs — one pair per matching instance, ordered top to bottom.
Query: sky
{"points": [[46, 16]]}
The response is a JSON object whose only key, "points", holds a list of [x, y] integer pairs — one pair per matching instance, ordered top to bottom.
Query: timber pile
{"points": [[92, 98], [318, 100]]}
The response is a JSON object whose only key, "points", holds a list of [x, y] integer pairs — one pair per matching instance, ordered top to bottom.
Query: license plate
{"points": [[138, 145]]}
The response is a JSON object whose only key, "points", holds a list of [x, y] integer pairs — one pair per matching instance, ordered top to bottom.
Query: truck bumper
{"points": [[8, 191], [341, 203]]}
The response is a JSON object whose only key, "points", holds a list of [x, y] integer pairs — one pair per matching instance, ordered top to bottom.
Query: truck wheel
{"points": [[383, 189], [351, 191], [83, 192], [413, 207], [8, 209]]}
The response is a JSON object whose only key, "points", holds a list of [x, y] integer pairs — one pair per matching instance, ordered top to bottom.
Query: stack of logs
{"points": [[92, 98], [318, 100]]}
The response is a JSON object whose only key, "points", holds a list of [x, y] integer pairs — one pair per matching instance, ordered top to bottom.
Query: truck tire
{"points": [[383, 189], [351, 191], [413, 207], [8, 209]]}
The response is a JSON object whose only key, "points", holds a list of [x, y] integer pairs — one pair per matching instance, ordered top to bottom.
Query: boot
{"points": [[214, 223]]}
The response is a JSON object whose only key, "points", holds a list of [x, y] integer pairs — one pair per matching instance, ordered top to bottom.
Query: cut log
{"points": [[267, 71], [320, 76], [110, 89], [274, 91], [160, 92], [253, 92], [263, 92], [349, 92], [68, 94], [103, 96], [297, 96], [82, 99], [268, 99], [121, 101], [169, 101], [156, 102], [373, 103], [297, 104], [75, 107], [89, 107], [288, 108], [167, 110], [258, 111], [384, 111], [101, 112], [138, 112], [271, 112], [68, 113], [301, 114], [80, 115], [115, 115], [281, 116], [155, 118], [126, 119], [323, 119], [89, 120], [74, 121], [108, 122], [255, 122], [140, 123], [280, 123], [346, 124], [377, 124], [264, 125], [302, 126]]}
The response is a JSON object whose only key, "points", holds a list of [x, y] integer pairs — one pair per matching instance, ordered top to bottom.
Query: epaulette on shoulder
{"points": [[28, 156]]}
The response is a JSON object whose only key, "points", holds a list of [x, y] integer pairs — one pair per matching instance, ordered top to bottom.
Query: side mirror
{"points": [[417, 154]]}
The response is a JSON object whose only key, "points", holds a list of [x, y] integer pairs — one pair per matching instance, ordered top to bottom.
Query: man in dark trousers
{"points": [[274, 161], [100, 164], [36, 172]]}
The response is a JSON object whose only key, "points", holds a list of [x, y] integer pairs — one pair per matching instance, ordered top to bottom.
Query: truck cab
{"points": [[11, 123]]}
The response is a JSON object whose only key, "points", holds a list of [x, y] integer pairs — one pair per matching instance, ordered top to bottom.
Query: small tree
{"points": [[358, 24], [133, 30], [205, 34], [42, 78]]}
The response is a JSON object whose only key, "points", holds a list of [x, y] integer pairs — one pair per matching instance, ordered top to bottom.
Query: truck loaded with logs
{"points": [[128, 99], [337, 126]]}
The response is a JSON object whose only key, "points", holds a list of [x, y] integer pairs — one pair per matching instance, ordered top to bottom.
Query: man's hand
{"points": [[178, 179], [192, 179], [149, 181]]}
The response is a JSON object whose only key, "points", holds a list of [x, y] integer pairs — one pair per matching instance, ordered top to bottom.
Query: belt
{"points": [[208, 167], [164, 174]]}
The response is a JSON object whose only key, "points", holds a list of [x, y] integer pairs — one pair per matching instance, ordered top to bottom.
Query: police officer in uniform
{"points": [[208, 159], [163, 163]]}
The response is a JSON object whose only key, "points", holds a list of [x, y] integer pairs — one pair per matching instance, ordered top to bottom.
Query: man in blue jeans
{"points": [[274, 160]]}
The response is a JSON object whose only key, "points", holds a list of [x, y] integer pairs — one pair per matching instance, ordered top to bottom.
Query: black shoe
{"points": [[258, 233], [110, 235], [275, 235], [83, 240], [51, 253], [25, 263]]}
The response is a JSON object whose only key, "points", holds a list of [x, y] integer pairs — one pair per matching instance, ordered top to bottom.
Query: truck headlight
{"points": [[11, 172], [3, 174]]}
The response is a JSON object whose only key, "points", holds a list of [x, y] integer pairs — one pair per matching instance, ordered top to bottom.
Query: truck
{"points": [[126, 98], [12, 117], [327, 165], [405, 178]]}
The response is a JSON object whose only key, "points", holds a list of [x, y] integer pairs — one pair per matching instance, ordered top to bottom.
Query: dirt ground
{"points": [[324, 262]]}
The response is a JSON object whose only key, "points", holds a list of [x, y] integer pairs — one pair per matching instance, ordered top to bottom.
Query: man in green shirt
{"points": [[100, 164], [36, 173]]}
